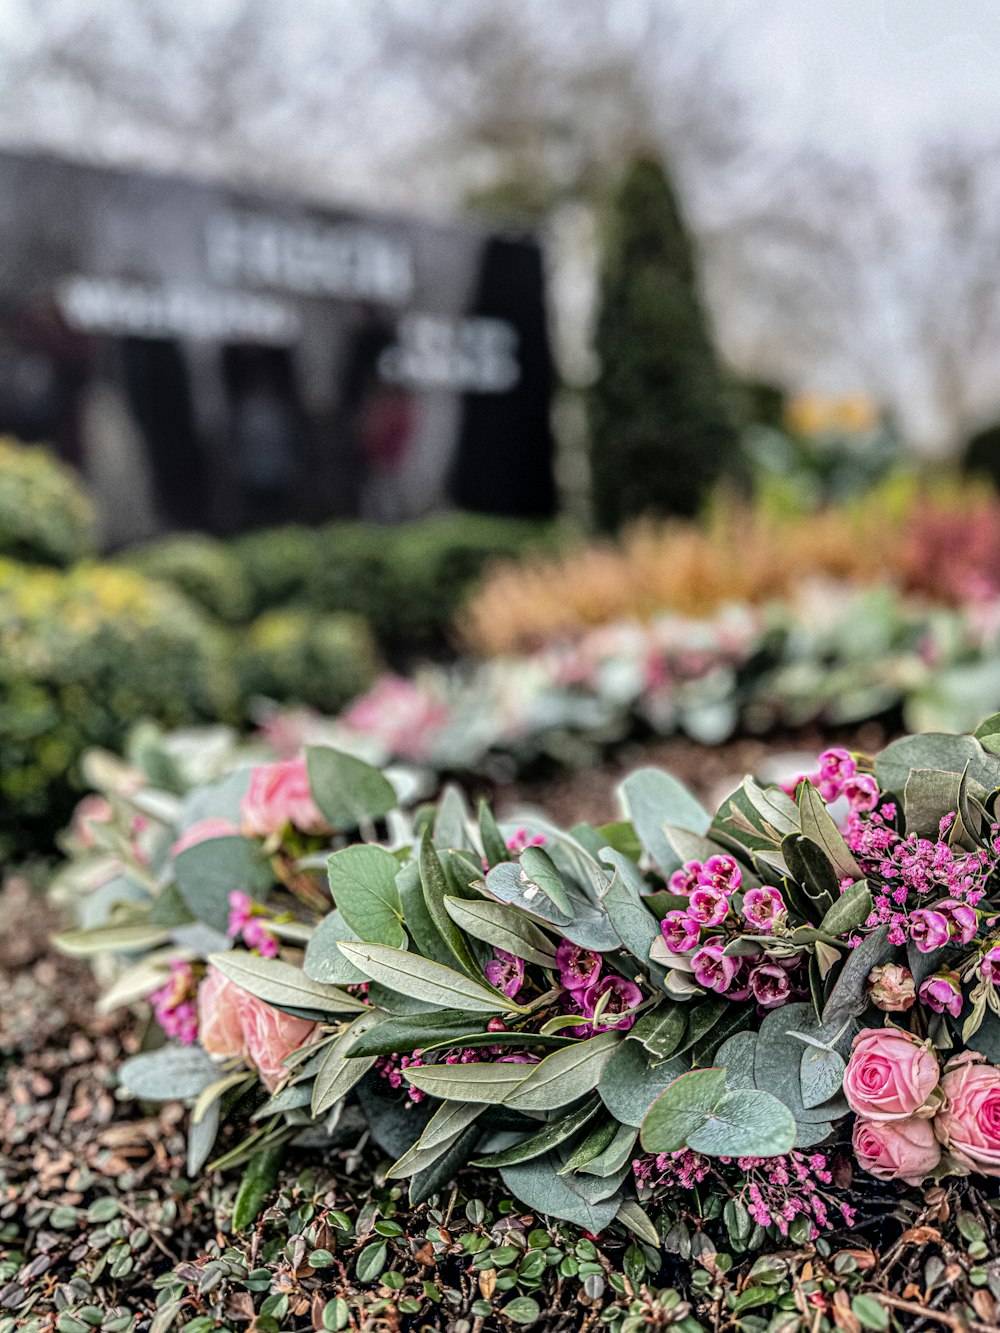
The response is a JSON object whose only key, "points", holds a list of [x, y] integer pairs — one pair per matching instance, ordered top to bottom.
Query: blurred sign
{"points": [[215, 360]]}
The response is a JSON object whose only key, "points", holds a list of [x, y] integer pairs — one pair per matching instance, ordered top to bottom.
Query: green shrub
{"points": [[661, 430], [45, 515], [277, 565], [204, 569], [83, 654], [298, 656]]}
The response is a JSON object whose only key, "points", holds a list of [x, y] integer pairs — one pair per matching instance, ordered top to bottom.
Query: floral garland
{"points": [[802, 986]]}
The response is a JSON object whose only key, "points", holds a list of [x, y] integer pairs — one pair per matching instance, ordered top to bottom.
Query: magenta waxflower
{"points": [[835, 767], [861, 791], [521, 839], [721, 872], [685, 881], [708, 905], [764, 908], [245, 919], [963, 922], [929, 930], [680, 931], [989, 965], [578, 967], [712, 969], [506, 972], [769, 985], [891, 988], [943, 993], [618, 996], [174, 1004]]}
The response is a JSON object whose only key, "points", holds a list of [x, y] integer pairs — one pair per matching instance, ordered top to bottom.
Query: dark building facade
{"points": [[216, 360]]}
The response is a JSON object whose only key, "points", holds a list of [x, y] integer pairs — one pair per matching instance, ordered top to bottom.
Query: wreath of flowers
{"points": [[803, 986]]}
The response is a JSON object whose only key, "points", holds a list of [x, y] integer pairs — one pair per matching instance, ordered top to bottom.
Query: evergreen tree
{"points": [[660, 425]]}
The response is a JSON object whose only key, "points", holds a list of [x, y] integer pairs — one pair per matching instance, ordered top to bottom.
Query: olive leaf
{"points": [[425, 980]]}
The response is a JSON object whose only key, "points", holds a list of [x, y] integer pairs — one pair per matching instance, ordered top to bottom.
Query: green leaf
{"points": [[988, 734], [949, 754], [348, 791], [652, 798], [452, 820], [818, 826], [494, 847], [538, 869], [207, 873], [363, 884], [435, 887], [850, 911], [634, 923], [588, 925], [502, 927], [133, 938], [427, 939], [323, 960], [425, 980], [284, 986], [849, 995], [661, 1030], [416, 1032], [736, 1055], [339, 1071], [172, 1072], [565, 1075], [821, 1077], [487, 1083], [629, 1086], [682, 1109], [746, 1124], [445, 1127], [201, 1139], [545, 1139], [617, 1154], [259, 1180], [537, 1184], [631, 1215], [371, 1261], [523, 1310], [870, 1313]]}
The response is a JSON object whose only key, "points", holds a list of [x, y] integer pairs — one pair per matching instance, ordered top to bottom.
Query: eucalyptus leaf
{"points": [[348, 791], [651, 799], [207, 873], [363, 884], [588, 926], [323, 960], [630, 1084], [545, 1139], [537, 1184]]}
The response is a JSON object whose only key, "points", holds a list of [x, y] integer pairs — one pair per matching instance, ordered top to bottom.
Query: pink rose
{"points": [[279, 795], [203, 831], [929, 930], [891, 988], [943, 993], [219, 1029], [270, 1035], [890, 1074], [969, 1124], [896, 1149]]}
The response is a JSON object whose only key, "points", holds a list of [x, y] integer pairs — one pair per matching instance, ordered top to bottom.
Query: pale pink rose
{"points": [[279, 795], [204, 831], [891, 988], [219, 1028], [269, 1035], [890, 1075], [969, 1124], [896, 1149]]}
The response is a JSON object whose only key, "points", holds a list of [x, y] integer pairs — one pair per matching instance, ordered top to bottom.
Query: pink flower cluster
{"points": [[404, 717], [838, 777], [279, 796], [710, 888], [247, 919], [605, 1001], [174, 1004], [235, 1025], [907, 1111], [774, 1190]]}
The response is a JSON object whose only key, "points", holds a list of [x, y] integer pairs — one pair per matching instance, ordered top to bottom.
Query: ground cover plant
{"points": [[783, 1016]]}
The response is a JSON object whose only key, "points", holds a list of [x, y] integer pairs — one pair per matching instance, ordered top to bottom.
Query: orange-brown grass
{"points": [[739, 554]]}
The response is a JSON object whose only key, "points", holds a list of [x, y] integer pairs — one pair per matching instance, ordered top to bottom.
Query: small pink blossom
{"points": [[861, 792], [521, 838], [722, 873], [684, 881], [708, 905], [764, 908], [963, 921], [929, 930], [680, 931], [989, 965], [578, 968], [712, 969], [506, 972], [769, 985], [943, 993], [621, 995], [174, 1004]]}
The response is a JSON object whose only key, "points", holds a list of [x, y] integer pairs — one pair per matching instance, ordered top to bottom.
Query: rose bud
{"points": [[891, 988], [896, 1149]]}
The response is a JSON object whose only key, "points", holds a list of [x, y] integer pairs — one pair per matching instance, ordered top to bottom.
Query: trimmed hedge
{"points": [[45, 515], [207, 571], [83, 655]]}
